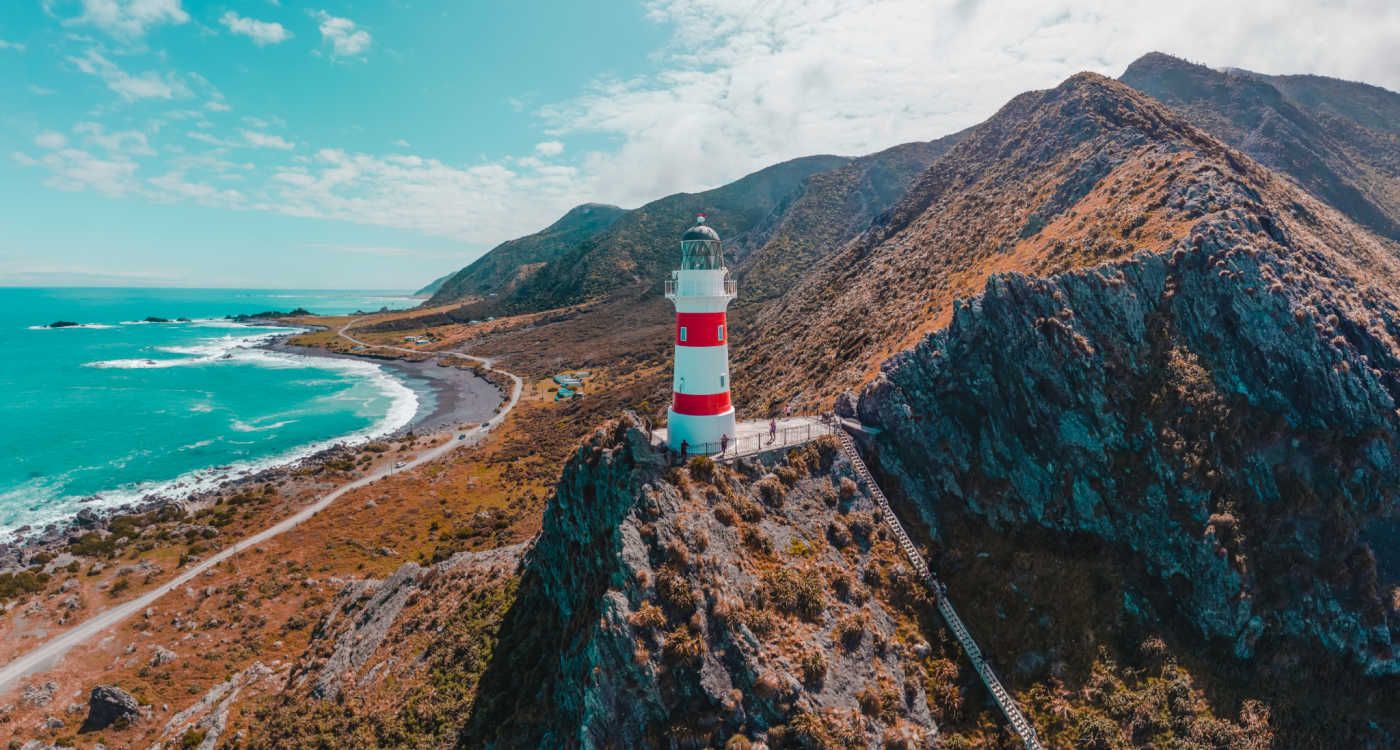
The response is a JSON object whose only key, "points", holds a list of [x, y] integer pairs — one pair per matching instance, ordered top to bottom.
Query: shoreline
{"points": [[449, 399]]}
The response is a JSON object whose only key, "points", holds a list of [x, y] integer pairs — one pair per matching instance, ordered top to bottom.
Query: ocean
{"points": [[114, 409]]}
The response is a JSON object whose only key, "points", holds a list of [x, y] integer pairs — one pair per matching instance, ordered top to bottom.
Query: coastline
{"points": [[449, 399]]}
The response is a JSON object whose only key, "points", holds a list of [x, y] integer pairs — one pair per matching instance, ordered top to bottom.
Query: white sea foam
{"points": [[82, 326], [224, 348], [403, 405], [239, 425]]}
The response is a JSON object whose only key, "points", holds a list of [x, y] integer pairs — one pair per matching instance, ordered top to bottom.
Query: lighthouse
{"points": [[701, 413]]}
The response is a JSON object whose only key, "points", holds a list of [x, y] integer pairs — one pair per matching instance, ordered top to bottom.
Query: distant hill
{"points": [[1340, 140], [832, 207], [776, 224], [640, 246], [511, 263], [433, 286]]}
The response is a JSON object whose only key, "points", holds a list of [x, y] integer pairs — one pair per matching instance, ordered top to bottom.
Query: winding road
{"points": [[47, 654]]}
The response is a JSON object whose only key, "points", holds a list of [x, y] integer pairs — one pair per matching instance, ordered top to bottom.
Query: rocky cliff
{"points": [[1220, 419], [684, 608]]}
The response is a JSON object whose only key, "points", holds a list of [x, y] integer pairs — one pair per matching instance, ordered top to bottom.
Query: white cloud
{"points": [[130, 19], [261, 32], [346, 38], [16, 46], [745, 84], [742, 85], [131, 87], [40, 90], [215, 105], [50, 139], [267, 140], [130, 142], [549, 148], [76, 170], [173, 186], [479, 203]]}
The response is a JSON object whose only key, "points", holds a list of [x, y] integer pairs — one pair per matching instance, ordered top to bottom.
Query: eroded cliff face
{"points": [[1221, 419], [683, 607]]}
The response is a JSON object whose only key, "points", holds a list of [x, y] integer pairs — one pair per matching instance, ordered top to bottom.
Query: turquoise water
{"points": [[119, 409]]}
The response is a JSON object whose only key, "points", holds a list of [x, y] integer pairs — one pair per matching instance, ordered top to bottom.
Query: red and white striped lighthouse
{"points": [[701, 413]]}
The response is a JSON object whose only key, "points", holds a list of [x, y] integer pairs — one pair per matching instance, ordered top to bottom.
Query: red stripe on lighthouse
{"points": [[701, 328], [700, 404]]}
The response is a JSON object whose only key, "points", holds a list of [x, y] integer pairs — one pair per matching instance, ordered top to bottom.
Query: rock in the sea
{"points": [[109, 704]]}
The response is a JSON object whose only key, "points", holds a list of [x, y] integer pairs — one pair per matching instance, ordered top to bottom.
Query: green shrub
{"points": [[702, 468], [772, 491], [757, 541], [93, 544], [21, 583], [675, 592], [796, 592], [648, 616], [683, 646], [813, 664]]}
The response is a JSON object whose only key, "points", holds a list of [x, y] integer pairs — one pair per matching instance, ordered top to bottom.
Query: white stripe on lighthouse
{"points": [[699, 368]]}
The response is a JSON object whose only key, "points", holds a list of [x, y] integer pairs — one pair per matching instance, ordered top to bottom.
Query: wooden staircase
{"points": [[1003, 699]]}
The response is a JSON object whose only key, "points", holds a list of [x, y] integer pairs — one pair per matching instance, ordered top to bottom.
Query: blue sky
{"points": [[380, 144]]}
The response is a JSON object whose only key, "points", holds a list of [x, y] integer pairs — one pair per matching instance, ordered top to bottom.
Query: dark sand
{"points": [[448, 397]]}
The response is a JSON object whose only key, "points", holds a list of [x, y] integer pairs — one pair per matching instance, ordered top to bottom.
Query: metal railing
{"points": [[731, 287], [747, 445], [1009, 708]]}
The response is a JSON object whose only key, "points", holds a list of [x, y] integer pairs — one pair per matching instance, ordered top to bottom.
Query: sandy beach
{"points": [[448, 397]]}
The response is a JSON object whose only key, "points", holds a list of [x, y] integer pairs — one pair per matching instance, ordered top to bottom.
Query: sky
{"points": [[377, 144]]}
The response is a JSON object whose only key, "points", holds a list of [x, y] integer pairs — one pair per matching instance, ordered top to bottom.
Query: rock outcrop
{"points": [[1220, 418], [682, 608], [394, 663], [109, 704]]}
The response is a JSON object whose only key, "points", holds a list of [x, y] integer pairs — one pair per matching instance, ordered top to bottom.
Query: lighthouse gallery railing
{"points": [[731, 288]]}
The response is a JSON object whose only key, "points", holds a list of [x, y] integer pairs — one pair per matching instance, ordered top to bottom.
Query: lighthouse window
{"points": [[682, 333], [721, 333], [723, 379]]}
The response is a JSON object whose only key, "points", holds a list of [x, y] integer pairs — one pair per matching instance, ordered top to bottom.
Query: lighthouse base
{"points": [[702, 434]]}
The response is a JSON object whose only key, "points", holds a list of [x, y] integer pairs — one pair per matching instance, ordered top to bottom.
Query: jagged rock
{"points": [[365, 612], [633, 615], [162, 656], [39, 695], [109, 704], [210, 713]]}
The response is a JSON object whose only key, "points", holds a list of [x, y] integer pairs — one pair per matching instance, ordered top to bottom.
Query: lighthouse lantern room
{"points": [[701, 414]]}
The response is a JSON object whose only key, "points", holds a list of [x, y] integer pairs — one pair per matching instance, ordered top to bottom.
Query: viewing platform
{"points": [[756, 436]]}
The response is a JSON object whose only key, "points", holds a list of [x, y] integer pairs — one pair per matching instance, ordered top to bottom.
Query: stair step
{"points": [[1008, 706]]}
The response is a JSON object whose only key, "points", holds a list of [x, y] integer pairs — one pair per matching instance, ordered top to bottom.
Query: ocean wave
{"points": [[224, 348], [403, 405], [239, 425]]}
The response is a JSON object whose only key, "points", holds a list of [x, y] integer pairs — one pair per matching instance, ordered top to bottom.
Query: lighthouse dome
{"points": [[700, 232]]}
